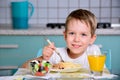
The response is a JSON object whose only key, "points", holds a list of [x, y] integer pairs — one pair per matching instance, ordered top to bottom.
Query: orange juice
{"points": [[96, 62]]}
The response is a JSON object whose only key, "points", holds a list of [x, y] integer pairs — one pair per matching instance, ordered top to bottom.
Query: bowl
{"points": [[39, 68]]}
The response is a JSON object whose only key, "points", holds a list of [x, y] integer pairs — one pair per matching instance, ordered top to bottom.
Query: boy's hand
{"points": [[48, 51]]}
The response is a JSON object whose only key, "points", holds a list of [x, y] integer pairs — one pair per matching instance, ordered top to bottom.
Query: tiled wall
{"points": [[47, 11]]}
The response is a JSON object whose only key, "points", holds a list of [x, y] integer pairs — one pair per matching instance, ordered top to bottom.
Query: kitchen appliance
{"points": [[55, 25], [104, 25]]}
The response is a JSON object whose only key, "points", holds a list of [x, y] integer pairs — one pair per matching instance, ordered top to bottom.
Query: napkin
{"points": [[26, 75], [104, 76], [11, 77], [46, 77]]}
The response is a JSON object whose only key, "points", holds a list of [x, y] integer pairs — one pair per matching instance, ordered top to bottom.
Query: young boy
{"points": [[79, 35]]}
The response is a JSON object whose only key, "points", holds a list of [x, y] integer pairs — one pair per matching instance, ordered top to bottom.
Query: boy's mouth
{"points": [[76, 45]]}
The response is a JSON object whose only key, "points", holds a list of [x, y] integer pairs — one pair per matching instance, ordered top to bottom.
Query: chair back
{"points": [[39, 52], [108, 59]]}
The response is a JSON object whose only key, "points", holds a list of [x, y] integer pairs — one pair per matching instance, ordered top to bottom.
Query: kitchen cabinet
{"points": [[113, 43], [28, 46], [27, 49]]}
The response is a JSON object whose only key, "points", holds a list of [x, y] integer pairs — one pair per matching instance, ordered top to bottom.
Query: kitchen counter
{"points": [[42, 30], [56, 31]]}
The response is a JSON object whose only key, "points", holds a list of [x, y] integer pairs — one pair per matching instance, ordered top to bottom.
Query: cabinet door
{"points": [[112, 43], [27, 48]]}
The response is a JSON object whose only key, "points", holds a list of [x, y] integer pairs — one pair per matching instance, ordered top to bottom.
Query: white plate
{"points": [[66, 70]]}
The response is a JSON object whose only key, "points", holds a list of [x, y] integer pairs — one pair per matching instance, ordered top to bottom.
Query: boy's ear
{"points": [[64, 34], [93, 38]]}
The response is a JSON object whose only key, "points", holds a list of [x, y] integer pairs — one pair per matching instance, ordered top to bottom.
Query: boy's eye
{"points": [[71, 33], [84, 34]]}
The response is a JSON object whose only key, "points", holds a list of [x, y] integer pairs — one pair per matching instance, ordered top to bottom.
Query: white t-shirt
{"points": [[83, 60]]}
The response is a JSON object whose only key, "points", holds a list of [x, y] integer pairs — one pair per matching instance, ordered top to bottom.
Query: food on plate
{"points": [[66, 65], [39, 68]]}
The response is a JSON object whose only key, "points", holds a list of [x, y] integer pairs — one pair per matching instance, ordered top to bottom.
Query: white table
{"points": [[26, 74]]}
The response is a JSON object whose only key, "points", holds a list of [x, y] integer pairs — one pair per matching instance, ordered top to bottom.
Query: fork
{"points": [[55, 50]]}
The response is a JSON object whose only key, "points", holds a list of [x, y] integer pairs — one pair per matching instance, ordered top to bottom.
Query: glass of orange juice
{"points": [[96, 63]]}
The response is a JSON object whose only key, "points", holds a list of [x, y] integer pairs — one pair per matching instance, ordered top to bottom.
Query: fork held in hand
{"points": [[55, 50]]}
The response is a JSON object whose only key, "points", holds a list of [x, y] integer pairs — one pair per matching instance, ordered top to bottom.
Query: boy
{"points": [[79, 35]]}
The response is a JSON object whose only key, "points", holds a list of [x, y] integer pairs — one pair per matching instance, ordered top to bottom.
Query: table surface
{"points": [[25, 74]]}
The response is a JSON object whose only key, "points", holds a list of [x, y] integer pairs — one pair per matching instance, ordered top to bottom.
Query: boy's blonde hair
{"points": [[83, 15]]}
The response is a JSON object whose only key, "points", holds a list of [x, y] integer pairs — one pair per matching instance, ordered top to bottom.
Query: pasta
{"points": [[65, 65]]}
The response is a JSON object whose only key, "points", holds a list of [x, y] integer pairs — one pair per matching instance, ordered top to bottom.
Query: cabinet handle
{"points": [[9, 46], [8, 67]]}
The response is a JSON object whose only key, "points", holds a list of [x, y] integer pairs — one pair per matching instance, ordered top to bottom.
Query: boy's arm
{"points": [[26, 64]]}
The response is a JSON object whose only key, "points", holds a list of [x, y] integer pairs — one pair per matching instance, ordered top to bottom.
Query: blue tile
{"points": [[63, 3], [73, 3], [84, 3], [94, 3], [105, 3], [116, 3], [105, 12], [116, 12]]}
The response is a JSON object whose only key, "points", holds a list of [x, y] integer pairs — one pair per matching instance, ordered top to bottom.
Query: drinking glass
{"points": [[96, 62]]}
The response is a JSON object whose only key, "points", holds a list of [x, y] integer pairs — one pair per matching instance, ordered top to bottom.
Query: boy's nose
{"points": [[77, 38]]}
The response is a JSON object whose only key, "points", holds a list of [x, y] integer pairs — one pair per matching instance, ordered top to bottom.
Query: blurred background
{"points": [[56, 11], [17, 46]]}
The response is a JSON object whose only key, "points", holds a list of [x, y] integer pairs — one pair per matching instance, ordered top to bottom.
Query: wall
{"points": [[56, 10]]}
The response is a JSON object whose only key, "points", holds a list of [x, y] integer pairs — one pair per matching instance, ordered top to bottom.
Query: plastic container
{"points": [[21, 14], [39, 68]]}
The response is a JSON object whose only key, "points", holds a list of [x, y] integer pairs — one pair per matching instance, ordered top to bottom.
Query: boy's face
{"points": [[78, 37]]}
